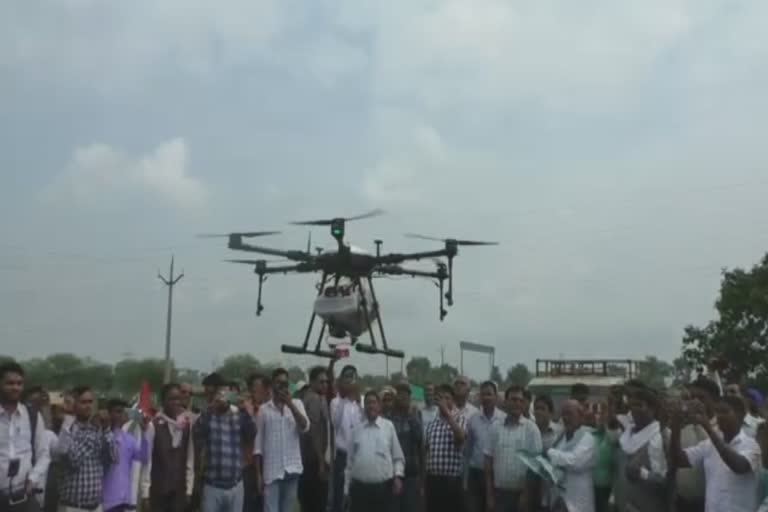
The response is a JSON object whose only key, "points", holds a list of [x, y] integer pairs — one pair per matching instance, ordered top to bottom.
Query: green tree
{"points": [[739, 334], [239, 366], [418, 370], [683, 371], [654, 372], [131, 373], [295, 374], [445, 374], [496, 375], [518, 375]]}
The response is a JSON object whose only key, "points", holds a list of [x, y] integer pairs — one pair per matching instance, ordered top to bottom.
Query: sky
{"points": [[614, 149]]}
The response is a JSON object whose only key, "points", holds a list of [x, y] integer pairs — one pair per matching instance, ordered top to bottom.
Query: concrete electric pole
{"points": [[170, 283]]}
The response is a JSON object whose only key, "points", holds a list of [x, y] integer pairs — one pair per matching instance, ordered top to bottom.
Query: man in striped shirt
{"points": [[505, 472]]}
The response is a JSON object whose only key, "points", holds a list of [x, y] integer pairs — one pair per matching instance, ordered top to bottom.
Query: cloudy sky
{"points": [[615, 149]]}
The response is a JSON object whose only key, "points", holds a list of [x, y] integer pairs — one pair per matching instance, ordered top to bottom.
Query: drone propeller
{"points": [[328, 222], [247, 234], [451, 240], [253, 262]]}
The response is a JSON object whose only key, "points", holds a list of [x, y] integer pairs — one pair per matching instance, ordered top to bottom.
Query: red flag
{"points": [[144, 399]]}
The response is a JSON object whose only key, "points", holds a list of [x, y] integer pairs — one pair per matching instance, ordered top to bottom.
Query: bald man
{"points": [[574, 454]]}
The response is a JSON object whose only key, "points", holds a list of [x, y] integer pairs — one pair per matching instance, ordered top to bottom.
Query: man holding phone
{"points": [[279, 424], [221, 436], [87, 447], [24, 456]]}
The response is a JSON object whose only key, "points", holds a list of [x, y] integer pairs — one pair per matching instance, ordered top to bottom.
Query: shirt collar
{"points": [[16, 413], [376, 423]]}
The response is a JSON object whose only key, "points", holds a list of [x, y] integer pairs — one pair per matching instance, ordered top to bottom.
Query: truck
{"points": [[554, 377]]}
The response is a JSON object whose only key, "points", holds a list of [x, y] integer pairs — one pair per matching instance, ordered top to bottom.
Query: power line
{"points": [[170, 283]]}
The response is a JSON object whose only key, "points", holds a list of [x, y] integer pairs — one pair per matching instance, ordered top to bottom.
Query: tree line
{"points": [[737, 338], [63, 371]]}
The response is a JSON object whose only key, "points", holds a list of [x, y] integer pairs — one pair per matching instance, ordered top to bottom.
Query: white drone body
{"points": [[347, 309]]}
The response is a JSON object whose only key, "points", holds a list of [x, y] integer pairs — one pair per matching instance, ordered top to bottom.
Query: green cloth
{"points": [[417, 393], [603, 472], [763, 485]]}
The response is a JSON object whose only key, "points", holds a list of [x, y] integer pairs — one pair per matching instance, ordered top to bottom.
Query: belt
{"points": [[224, 486]]}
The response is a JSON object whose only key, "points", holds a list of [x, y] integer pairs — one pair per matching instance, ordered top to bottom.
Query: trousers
{"points": [[337, 485], [313, 492], [444, 494], [280, 495], [365, 497], [222, 500]]}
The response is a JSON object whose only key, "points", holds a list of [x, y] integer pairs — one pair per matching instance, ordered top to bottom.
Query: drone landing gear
{"points": [[373, 348], [304, 349]]}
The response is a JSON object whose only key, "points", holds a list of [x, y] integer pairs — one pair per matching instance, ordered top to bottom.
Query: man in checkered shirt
{"points": [[222, 435], [444, 440], [87, 448]]}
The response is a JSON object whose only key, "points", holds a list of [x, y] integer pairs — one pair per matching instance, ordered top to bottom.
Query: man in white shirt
{"points": [[461, 389], [430, 410], [346, 412], [279, 424], [478, 434], [574, 454], [23, 462], [731, 463], [375, 464]]}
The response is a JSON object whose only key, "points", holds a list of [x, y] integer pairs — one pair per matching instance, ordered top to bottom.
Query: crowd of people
{"points": [[333, 447]]}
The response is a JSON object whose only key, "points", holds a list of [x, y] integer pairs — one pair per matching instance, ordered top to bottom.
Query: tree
{"points": [[739, 334], [239, 366], [418, 370], [682, 371], [654, 372], [131, 373], [295, 374], [445, 374], [496, 375], [518, 375]]}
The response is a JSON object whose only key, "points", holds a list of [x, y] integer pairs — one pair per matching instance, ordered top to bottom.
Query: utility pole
{"points": [[170, 283], [442, 355]]}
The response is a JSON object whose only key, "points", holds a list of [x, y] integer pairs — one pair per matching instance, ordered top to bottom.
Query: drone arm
{"points": [[291, 255], [397, 258], [285, 269], [395, 270]]}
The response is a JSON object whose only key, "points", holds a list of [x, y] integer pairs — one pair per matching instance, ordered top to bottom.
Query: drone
{"points": [[346, 300]]}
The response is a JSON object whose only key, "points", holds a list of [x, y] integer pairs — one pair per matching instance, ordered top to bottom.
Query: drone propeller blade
{"points": [[372, 213], [328, 222], [245, 234], [422, 237], [446, 240], [474, 242], [253, 262]]}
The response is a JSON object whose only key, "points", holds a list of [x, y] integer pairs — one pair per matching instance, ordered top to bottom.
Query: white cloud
{"points": [[99, 175]]}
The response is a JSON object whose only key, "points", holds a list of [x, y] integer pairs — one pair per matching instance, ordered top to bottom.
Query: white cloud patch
{"points": [[99, 175]]}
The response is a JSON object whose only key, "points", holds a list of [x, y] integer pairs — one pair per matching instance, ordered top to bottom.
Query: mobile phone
{"points": [[13, 468]]}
